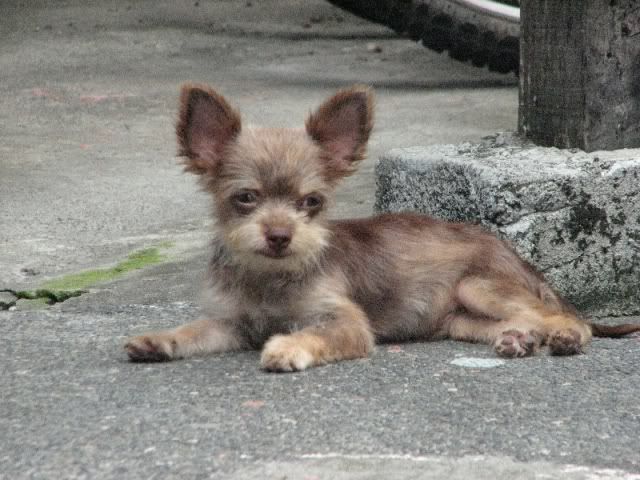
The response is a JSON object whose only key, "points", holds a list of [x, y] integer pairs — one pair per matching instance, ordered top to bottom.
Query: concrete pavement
{"points": [[88, 175]]}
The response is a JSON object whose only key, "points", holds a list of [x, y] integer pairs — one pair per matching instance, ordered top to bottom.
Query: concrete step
{"points": [[574, 215]]}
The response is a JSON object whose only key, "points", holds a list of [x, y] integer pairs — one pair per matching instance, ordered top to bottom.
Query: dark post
{"points": [[580, 73]]}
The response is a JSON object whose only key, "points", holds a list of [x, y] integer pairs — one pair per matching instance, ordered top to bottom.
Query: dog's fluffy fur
{"points": [[308, 290]]}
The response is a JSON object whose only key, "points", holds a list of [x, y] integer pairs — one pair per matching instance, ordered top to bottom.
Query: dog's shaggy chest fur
{"points": [[308, 290]]}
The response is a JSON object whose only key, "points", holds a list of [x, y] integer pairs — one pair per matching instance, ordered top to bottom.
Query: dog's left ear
{"points": [[341, 126]]}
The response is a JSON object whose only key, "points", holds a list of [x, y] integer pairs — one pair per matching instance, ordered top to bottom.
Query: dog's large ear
{"points": [[206, 125], [341, 126]]}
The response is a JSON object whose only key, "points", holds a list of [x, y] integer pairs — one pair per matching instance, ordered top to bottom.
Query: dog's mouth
{"points": [[270, 253]]}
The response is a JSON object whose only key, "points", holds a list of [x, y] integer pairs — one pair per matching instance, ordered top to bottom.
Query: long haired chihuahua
{"points": [[308, 290]]}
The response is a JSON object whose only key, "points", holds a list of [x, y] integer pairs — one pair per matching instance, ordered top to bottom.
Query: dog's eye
{"points": [[246, 198], [311, 202]]}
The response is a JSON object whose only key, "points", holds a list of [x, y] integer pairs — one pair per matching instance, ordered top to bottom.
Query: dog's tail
{"points": [[613, 331]]}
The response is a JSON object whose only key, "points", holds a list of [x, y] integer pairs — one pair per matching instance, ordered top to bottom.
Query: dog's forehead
{"points": [[282, 161]]}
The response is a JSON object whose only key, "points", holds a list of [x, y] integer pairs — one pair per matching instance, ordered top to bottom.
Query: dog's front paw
{"points": [[155, 347], [285, 353]]}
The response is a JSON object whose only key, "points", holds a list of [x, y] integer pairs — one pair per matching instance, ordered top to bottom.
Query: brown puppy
{"points": [[310, 291]]}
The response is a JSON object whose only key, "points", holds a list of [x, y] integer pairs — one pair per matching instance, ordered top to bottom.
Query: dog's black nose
{"points": [[278, 238]]}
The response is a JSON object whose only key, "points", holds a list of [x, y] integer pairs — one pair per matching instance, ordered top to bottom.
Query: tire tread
{"points": [[439, 26]]}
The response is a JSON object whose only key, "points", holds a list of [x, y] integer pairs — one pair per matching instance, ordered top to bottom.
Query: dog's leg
{"points": [[515, 320], [346, 336], [199, 337]]}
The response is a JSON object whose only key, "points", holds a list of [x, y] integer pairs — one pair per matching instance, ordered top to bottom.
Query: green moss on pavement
{"points": [[78, 281], [75, 284]]}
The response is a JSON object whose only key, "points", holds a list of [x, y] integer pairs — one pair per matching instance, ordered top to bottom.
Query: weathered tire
{"points": [[467, 32]]}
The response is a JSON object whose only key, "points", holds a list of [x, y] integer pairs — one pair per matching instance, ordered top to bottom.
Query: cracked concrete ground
{"points": [[88, 175]]}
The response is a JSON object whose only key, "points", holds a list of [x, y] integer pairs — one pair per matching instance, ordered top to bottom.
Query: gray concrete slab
{"points": [[88, 173], [73, 407]]}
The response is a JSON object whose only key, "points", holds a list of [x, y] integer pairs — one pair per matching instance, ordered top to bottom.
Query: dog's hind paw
{"points": [[565, 342], [514, 343]]}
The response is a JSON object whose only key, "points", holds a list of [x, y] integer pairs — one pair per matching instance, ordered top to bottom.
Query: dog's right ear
{"points": [[206, 126]]}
